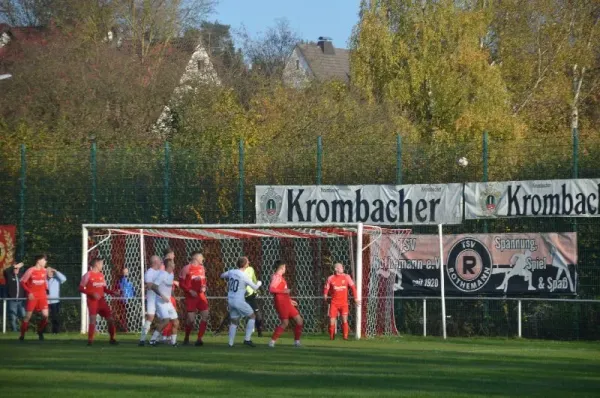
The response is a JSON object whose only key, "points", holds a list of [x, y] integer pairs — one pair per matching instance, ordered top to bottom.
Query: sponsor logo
{"points": [[488, 200], [270, 206], [469, 265]]}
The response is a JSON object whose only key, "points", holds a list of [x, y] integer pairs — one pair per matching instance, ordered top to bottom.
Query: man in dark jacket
{"points": [[14, 290]]}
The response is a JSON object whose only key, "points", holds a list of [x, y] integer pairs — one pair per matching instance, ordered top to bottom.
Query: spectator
{"points": [[55, 279], [126, 287], [127, 292], [16, 308]]}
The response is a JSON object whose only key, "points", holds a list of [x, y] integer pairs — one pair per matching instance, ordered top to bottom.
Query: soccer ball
{"points": [[463, 162]]}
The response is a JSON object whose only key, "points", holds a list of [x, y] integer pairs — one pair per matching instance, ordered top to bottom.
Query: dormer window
{"points": [[297, 64]]}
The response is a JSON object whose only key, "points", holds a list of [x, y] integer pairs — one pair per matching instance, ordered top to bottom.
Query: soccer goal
{"points": [[370, 255]]}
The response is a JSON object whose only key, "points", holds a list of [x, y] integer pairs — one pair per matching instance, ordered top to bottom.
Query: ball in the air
{"points": [[463, 162]]}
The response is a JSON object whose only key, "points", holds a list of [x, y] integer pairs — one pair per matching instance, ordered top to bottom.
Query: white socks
{"points": [[249, 329], [145, 330], [232, 330], [155, 335], [173, 339]]}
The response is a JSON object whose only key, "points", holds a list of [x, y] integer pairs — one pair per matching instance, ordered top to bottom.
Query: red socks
{"points": [[42, 325], [24, 327], [91, 329], [201, 329], [112, 330], [168, 330], [345, 330], [297, 332], [331, 332], [277, 333]]}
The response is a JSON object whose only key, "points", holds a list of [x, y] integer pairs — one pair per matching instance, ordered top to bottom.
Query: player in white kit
{"points": [[149, 278], [163, 287], [238, 307]]}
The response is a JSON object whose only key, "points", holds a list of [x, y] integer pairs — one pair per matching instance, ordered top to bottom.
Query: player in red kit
{"points": [[192, 280], [35, 284], [93, 285], [337, 286], [284, 305]]}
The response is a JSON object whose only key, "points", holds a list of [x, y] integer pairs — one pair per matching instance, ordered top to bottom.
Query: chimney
{"points": [[326, 45]]}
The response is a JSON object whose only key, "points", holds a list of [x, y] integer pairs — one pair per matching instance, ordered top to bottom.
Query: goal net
{"points": [[369, 254]]}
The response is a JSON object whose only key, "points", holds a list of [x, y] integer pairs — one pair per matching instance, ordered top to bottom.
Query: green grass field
{"points": [[405, 366]]}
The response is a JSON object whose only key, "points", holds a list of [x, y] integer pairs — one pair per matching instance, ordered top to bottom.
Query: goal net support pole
{"points": [[84, 269], [359, 279], [442, 286]]}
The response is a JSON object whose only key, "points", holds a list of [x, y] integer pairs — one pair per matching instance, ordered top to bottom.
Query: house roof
{"points": [[326, 66]]}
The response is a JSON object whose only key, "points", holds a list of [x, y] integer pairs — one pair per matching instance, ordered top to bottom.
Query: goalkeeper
{"points": [[251, 299]]}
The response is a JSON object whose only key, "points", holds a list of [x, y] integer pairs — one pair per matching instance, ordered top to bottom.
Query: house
{"points": [[317, 61]]}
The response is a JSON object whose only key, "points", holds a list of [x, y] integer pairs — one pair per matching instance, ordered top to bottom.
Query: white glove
{"points": [[259, 283]]}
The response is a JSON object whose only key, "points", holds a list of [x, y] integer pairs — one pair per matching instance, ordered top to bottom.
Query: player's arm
{"points": [[225, 275], [147, 282], [184, 282], [25, 283], [251, 283], [203, 284], [274, 286], [83, 287], [327, 288], [353, 288], [155, 289], [110, 291]]}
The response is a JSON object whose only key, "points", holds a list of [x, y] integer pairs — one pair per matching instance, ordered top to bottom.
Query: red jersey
{"points": [[192, 277], [35, 281], [93, 282], [337, 286], [277, 288]]}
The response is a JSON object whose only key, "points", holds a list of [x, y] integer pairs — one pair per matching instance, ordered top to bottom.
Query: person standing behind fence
{"points": [[55, 279], [127, 292], [16, 308]]}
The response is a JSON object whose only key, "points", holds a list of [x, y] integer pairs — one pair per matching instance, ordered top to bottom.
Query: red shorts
{"points": [[37, 304], [193, 304], [99, 307], [337, 309], [286, 311]]}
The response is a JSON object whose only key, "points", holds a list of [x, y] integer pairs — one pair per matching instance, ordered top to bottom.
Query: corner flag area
{"points": [[392, 367]]}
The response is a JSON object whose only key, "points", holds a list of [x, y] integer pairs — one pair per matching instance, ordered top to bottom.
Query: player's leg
{"points": [[253, 302], [190, 307], [29, 308], [203, 309], [246, 310], [344, 310], [92, 312], [105, 312], [150, 313], [333, 313], [283, 315], [234, 320], [44, 321], [224, 322], [162, 324], [298, 328]]}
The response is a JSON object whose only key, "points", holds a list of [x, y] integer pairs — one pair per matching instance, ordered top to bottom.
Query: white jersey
{"points": [[150, 277], [164, 281], [236, 286]]}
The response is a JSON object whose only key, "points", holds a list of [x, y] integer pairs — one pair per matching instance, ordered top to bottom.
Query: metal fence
{"points": [[49, 193], [535, 318]]}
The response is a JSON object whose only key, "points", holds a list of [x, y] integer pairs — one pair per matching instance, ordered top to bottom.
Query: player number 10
{"points": [[233, 285]]}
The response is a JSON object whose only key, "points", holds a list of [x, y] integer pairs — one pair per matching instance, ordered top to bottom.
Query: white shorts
{"points": [[150, 303], [239, 309], [166, 310]]}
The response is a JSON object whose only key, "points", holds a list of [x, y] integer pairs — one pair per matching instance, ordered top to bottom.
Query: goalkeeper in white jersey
{"points": [[163, 287], [238, 307]]}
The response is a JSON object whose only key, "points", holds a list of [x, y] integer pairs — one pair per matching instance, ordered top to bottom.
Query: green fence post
{"points": [[485, 156], [398, 159], [319, 160], [94, 178], [241, 181], [166, 183], [22, 205]]}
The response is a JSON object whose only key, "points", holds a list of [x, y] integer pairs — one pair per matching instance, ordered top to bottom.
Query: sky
{"points": [[309, 18]]}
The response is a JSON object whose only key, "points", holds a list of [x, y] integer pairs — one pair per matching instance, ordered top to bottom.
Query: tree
{"points": [[268, 53], [428, 59]]}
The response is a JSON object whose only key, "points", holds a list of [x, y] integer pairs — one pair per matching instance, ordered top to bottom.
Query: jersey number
{"points": [[233, 285]]}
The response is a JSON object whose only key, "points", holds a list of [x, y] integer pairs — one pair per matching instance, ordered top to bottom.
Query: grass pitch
{"points": [[405, 366]]}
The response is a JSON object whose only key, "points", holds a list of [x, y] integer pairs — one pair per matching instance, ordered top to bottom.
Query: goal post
{"points": [[310, 250]]}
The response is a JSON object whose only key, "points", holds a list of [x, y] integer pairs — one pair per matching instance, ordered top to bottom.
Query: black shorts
{"points": [[251, 300]]}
